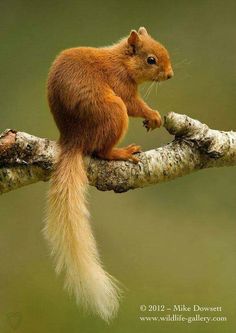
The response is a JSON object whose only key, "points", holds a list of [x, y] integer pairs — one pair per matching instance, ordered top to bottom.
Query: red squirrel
{"points": [[91, 94]]}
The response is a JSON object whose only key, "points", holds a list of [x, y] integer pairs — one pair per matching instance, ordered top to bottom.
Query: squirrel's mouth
{"points": [[159, 77], [163, 77]]}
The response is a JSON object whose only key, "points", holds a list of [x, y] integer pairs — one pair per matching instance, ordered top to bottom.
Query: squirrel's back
{"points": [[82, 83]]}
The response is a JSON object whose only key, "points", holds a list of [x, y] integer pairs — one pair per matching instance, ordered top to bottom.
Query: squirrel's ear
{"points": [[142, 31], [133, 40]]}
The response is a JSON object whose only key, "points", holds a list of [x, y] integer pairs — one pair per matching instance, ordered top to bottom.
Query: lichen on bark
{"points": [[26, 159]]}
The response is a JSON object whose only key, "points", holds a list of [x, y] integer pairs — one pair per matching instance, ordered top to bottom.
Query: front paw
{"points": [[153, 121]]}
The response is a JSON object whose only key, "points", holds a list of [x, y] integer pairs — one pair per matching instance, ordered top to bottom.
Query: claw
{"points": [[153, 122], [135, 159]]}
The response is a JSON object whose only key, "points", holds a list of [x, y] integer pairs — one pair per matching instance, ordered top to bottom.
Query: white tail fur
{"points": [[70, 236]]}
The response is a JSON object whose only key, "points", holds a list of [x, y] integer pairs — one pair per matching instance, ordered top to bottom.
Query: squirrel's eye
{"points": [[151, 61]]}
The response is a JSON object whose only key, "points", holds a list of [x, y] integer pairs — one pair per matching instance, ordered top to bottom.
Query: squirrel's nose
{"points": [[169, 75]]}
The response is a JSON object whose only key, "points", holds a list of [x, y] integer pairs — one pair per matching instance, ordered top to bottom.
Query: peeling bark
{"points": [[26, 159]]}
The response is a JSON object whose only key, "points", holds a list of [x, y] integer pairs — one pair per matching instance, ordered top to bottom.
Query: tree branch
{"points": [[26, 159]]}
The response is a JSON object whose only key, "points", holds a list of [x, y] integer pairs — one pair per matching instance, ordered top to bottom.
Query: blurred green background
{"points": [[168, 244]]}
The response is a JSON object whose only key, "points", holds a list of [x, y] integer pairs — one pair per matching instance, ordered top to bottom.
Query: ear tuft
{"points": [[142, 31], [133, 38]]}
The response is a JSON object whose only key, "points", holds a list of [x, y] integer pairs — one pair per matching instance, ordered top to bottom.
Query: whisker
{"points": [[182, 62], [151, 87], [156, 88], [148, 90]]}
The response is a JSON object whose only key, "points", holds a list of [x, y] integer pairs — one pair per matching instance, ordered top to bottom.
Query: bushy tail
{"points": [[72, 243]]}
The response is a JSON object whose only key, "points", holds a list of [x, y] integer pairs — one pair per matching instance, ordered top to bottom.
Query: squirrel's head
{"points": [[148, 60]]}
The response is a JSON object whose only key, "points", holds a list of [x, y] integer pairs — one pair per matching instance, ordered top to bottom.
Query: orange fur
{"points": [[91, 93]]}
